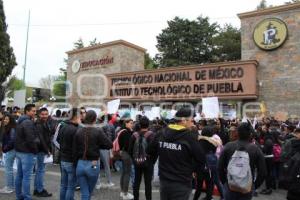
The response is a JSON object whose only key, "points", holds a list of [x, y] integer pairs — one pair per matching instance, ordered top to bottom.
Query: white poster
{"points": [[19, 98], [113, 106], [210, 107], [155, 112]]}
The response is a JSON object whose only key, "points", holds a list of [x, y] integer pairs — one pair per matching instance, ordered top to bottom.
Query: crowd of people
{"points": [[228, 158]]}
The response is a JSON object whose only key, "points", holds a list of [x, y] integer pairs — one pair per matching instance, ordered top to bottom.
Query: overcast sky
{"points": [[57, 24]]}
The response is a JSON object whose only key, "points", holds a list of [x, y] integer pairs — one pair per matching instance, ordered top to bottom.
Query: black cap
{"points": [[185, 112]]}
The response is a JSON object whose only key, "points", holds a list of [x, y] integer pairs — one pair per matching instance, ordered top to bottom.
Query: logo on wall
{"points": [[270, 33], [75, 66]]}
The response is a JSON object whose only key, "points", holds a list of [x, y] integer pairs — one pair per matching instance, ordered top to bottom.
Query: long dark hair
{"points": [[11, 124]]}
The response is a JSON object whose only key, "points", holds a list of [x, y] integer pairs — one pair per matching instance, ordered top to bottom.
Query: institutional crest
{"points": [[270, 33]]}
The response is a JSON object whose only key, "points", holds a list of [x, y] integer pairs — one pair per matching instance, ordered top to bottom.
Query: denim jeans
{"points": [[104, 157], [9, 158], [25, 163], [39, 172], [87, 175], [67, 181]]}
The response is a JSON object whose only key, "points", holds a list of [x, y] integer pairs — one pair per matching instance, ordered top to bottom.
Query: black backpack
{"points": [[139, 149], [294, 174]]}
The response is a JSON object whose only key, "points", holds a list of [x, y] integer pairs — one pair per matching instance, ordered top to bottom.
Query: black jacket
{"points": [[45, 132], [65, 139], [124, 139], [8, 140], [27, 140], [87, 143], [178, 150], [257, 160]]}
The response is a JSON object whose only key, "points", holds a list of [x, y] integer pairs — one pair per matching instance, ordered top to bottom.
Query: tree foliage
{"points": [[262, 5], [94, 42], [186, 42], [78, 44], [227, 44], [7, 57], [149, 62], [46, 82], [14, 84], [60, 86]]}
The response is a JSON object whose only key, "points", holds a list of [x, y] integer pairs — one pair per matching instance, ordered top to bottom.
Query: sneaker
{"points": [[110, 185], [98, 186], [6, 190], [266, 192], [44, 193], [121, 194], [128, 196]]}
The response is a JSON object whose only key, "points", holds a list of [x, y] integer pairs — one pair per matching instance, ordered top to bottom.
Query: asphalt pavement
{"points": [[52, 183]]}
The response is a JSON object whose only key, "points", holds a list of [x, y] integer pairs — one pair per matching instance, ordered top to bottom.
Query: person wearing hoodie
{"points": [[8, 143], [26, 147], [178, 151], [67, 166]]}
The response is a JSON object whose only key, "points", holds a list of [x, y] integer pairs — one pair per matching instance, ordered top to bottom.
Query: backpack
{"points": [[116, 147], [139, 148], [276, 152], [239, 173], [294, 174]]}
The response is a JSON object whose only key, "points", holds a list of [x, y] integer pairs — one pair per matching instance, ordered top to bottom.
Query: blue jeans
{"points": [[104, 157], [9, 158], [25, 163], [39, 172], [87, 176], [67, 181]]}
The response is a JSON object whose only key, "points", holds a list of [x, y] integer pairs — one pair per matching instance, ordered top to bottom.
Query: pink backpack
{"points": [[116, 146], [276, 152]]}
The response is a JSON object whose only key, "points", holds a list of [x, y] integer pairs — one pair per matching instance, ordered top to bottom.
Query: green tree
{"points": [[262, 5], [94, 42], [186, 42], [78, 44], [228, 44], [7, 57], [149, 62], [14, 84], [60, 86]]}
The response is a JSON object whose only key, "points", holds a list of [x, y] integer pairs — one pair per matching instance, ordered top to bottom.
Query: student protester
{"points": [[45, 130], [124, 139], [86, 144], [209, 144], [8, 147], [26, 147], [177, 148], [105, 153], [256, 162], [294, 164], [143, 165], [67, 167]]}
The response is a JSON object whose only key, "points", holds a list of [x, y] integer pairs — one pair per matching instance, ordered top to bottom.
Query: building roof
{"points": [[270, 10], [108, 44]]}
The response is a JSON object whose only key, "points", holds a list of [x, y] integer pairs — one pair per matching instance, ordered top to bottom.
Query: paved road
{"points": [[52, 181]]}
